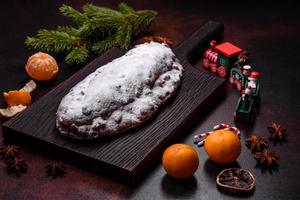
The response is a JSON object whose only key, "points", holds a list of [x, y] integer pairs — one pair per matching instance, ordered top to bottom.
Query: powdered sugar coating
{"points": [[121, 94]]}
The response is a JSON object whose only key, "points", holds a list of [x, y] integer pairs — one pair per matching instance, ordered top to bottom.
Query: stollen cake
{"points": [[121, 94]]}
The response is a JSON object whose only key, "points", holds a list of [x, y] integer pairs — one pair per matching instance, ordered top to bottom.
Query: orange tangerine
{"points": [[42, 67], [16, 97], [222, 146], [180, 161]]}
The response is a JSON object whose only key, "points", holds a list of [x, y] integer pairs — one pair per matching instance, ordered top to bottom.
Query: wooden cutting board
{"points": [[131, 154]]}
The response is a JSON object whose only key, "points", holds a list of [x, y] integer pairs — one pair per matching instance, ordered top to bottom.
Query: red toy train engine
{"points": [[221, 58]]}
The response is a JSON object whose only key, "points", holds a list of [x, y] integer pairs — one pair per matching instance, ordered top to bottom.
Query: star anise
{"points": [[158, 39], [277, 131], [256, 143], [10, 151], [266, 158], [16, 166], [55, 169]]}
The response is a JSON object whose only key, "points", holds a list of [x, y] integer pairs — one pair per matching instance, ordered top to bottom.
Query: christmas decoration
{"points": [[98, 29], [220, 58], [227, 59], [200, 138]]}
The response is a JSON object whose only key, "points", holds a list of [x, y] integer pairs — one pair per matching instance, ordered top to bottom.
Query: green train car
{"points": [[247, 105], [245, 111]]}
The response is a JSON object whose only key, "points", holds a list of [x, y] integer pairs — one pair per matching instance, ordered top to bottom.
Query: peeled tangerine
{"points": [[41, 66], [16, 97], [17, 100], [222, 146], [180, 161]]}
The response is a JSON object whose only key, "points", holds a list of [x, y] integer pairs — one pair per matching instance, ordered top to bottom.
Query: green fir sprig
{"points": [[98, 29]]}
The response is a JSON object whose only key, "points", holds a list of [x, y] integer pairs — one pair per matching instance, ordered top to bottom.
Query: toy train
{"points": [[228, 60]]}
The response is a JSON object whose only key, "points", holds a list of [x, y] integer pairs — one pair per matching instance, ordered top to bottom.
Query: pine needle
{"points": [[125, 9], [95, 11], [73, 14], [68, 29], [52, 41], [104, 45], [77, 55]]}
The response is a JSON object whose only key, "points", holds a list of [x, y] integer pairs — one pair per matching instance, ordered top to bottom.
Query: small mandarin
{"points": [[41, 66], [16, 97], [222, 146], [180, 161]]}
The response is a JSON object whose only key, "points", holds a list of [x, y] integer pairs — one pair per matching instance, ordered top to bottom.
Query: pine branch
{"points": [[125, 9], [95, 11], [73, 14], [144, 20], [103, 21], [99, 26], [68, 29], [98, 30], [124, 35], [53, 41], [104, 45], [77, 56]]}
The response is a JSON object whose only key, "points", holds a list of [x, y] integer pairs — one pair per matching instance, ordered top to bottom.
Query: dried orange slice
{"points": [[42, 67], [16, 97], [236, 180]]}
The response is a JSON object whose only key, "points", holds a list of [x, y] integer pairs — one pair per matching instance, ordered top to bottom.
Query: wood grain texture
{"points": [[127, 155]]}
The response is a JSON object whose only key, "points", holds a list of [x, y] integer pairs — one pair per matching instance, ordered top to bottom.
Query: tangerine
{"points": [[41, 66], [16, 97], [222, 146], [180, 161]]}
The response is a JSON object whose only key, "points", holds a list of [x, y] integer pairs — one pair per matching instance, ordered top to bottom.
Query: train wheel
{"points": [[205, 63], [213, 68], [222, 71], [231, 79], [239, 86]]}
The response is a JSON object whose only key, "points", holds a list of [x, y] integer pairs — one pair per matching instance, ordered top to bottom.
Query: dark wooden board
{"points": [[128, 155]]}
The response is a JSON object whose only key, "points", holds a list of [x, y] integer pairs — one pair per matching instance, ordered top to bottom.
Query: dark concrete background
{"points": [[268, 29]]}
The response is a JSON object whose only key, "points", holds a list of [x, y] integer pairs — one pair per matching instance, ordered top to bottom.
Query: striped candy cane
{"points": [[221, 126], [228, 127], [201, 135], [200, 142]]}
